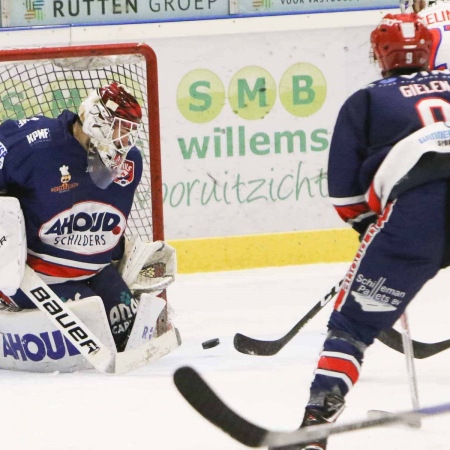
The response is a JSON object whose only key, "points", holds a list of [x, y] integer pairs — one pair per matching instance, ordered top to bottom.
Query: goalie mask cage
{"points": [[46, 81]]}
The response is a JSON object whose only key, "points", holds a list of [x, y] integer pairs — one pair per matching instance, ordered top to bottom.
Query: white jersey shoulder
{"points": [[437, 19]]}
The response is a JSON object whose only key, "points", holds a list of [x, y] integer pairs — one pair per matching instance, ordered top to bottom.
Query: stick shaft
{"points": [[409, 356]]}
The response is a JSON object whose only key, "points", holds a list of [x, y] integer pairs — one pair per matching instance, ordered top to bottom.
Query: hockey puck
{"points": [[211, 343]]}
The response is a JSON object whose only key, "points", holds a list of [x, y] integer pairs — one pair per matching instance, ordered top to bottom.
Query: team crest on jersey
{"points": [[127, 175], [65, 181]]}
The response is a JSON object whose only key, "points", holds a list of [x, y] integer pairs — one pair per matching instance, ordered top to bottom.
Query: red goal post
{"points": [[48, 80]]}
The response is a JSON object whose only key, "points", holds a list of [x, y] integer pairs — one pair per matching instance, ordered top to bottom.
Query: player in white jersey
{"points": [[436, 15]]}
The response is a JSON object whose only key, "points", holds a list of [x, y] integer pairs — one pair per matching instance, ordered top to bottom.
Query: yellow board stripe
{"points": [[265, 250]]}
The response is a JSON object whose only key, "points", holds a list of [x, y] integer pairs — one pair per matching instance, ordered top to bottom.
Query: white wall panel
{"points": [[231, 167]]}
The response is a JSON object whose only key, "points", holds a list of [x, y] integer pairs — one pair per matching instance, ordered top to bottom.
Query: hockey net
{"points": [[46, 81]]}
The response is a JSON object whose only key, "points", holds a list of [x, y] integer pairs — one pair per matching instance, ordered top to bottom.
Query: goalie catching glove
{"points": [[147, 266]]}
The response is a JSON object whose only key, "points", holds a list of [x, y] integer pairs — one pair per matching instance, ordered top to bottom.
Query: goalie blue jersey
{"points": [[370, 123], [73, 227]]}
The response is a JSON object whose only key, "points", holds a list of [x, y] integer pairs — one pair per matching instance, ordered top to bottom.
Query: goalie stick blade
{"points": [[393, 339], [149, 352], [203, 399]]}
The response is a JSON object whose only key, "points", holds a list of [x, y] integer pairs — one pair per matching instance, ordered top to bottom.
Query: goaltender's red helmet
{"points": [[401, 41], [120, 103], [112, 118]]}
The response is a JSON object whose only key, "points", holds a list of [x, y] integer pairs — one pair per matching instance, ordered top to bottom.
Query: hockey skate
{"points": [[317, 415]]}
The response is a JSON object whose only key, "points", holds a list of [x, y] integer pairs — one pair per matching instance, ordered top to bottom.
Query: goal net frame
{"points": [[148, 203]]}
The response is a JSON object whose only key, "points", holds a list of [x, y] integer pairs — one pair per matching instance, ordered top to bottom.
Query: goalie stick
{"points": [[67, 322], [391, 338], [206, 402]]}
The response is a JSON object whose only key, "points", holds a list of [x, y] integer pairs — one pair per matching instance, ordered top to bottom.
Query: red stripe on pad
{"points": [[339, 365]]}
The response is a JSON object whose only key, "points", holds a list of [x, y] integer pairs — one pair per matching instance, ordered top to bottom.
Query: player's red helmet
{"points": [[401, 41]]}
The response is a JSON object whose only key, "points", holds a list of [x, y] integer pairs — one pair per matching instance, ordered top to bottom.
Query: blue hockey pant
{"points": [[404, 249]]}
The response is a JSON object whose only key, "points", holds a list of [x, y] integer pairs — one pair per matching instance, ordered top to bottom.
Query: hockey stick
{"points": [[67, 322], [391, 338], [251, 346], [148, 352], [410, 366], [411, 372], [205, 401]]}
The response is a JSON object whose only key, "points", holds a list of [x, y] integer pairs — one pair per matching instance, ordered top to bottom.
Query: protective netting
{"points": [[47, 87]]}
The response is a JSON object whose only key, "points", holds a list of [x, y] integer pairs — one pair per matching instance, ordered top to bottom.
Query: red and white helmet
{"points": [[401, 41], [111, 117]]}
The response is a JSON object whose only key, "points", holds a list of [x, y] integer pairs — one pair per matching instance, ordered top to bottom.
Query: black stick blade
{"points": [[393, 339], [251, 346], [204, 400]]}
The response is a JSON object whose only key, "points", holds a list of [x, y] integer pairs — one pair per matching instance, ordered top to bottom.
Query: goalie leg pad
{"points": [[13, 245], [144, 328], [30, 342]]}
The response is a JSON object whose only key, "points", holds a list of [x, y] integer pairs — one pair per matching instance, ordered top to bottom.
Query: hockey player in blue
{"points": [[75, 177], [389, 178]]}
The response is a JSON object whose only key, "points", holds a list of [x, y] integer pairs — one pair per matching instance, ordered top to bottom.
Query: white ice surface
{"points": [[143, 409]]}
